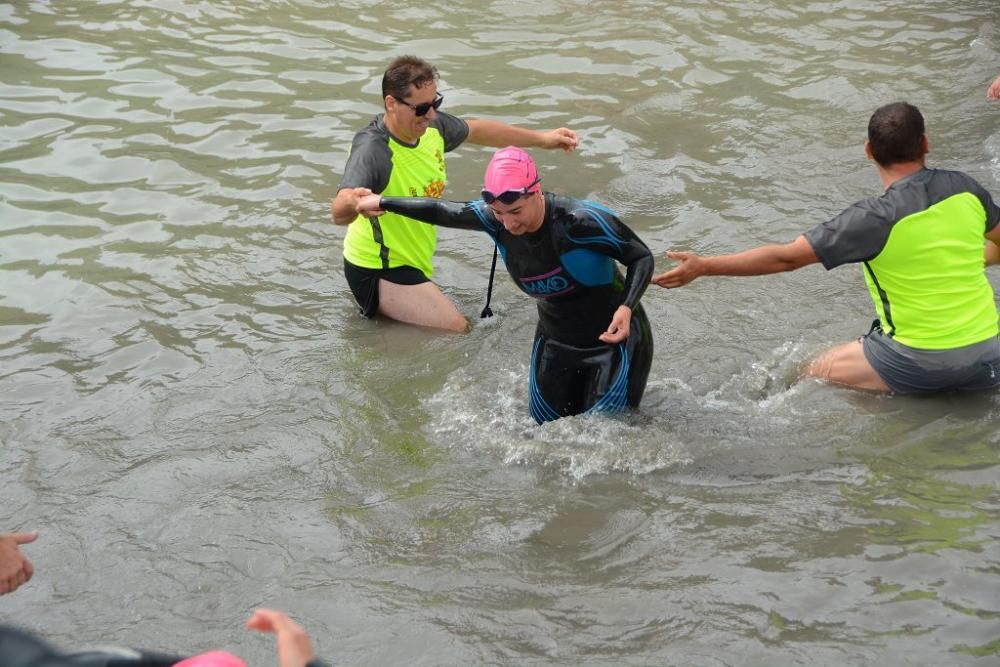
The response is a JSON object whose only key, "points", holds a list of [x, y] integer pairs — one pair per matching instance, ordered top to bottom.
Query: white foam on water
{"points": [[487, 412], [493, 417]]}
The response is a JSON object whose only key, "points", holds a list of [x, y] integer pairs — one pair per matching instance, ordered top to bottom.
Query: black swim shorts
{"points": [[364, 283]]}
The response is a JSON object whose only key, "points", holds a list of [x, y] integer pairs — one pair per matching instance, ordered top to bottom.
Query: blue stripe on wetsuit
{"points": [[479, 208], [609, 237], [589, 268], [616, 398], [540, 410]]}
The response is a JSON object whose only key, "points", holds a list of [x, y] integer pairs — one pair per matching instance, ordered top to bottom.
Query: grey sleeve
{"points": [[453, 130], [370, 163], [992, 210], [856, 235]]}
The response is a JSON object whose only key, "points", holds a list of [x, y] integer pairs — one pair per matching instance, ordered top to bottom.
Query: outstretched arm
{"points": [[497, 134], [459, 215], [755, 262]]}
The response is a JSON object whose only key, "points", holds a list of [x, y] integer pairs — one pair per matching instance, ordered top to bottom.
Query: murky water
{"points": [[199, 423]]}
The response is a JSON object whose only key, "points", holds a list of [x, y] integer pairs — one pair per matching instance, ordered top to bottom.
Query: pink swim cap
{"points": [[510, 169], [212, 659]]}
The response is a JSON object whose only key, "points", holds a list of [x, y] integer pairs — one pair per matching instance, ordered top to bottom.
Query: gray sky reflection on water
{"points": [[199, 423]]}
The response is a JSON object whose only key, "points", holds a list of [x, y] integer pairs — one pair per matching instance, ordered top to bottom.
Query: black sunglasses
{"points": [[423, 108], [510, 196]]}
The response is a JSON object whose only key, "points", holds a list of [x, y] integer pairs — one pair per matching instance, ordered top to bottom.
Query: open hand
{"points": [[563, 138], [688, 269], [618, 330], [15, 568], [294, 649]]}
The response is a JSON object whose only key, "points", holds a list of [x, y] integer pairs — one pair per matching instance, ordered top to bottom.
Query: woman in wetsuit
{"points": [[593, 345]]}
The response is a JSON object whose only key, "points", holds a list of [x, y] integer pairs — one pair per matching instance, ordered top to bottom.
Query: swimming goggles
{"points": [[422, 108], [508, 197]]}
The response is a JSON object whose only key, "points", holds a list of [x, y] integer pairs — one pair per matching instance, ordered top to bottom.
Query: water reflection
{"points": [[198, 422], [929, 496]]}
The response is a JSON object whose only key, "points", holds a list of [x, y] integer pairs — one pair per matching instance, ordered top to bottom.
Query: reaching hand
{"points": [[993, 92], [563, 138], [357, 194], [344, 205], [689, 269], [15, 569], [294, 649]]}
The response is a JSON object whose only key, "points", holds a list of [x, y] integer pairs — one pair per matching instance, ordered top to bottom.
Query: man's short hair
{"points": [[406, 71], [895, 132]]}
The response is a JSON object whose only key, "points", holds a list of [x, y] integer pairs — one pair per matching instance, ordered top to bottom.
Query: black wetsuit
{"points": [[568, 265], [20, 648]]}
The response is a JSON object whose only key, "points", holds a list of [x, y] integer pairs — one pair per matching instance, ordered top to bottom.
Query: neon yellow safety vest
{"points": [[392, 240], [928, 283]]}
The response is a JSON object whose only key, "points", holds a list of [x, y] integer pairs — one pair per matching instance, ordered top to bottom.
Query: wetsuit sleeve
{"points": [[453, 130], [370, 163], [454, 214], [600, 230], [856, 235], [639, 260], [637, 276]]}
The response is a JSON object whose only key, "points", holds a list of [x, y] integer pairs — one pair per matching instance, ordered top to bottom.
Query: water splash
{"points": [[493, 418]]}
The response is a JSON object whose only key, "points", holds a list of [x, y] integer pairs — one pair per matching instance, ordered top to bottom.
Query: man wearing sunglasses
{"points": [[387, 261], [593, 345]]}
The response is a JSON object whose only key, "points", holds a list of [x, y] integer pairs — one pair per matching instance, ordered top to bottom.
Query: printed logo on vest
{"points": [[434, 189]]}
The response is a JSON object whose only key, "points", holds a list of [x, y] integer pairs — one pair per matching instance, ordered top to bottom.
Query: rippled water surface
{"points": [[198, 422]]}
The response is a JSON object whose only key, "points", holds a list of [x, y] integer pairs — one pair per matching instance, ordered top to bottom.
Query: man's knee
{"points": [[457, 323], [846, 365]]}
